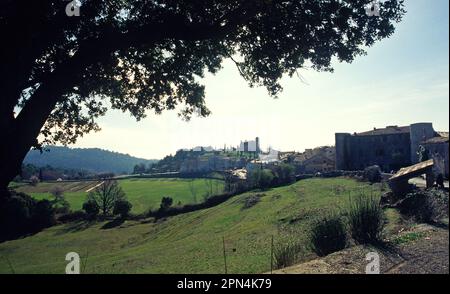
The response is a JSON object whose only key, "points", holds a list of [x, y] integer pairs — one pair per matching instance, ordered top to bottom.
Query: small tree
{"points": [[285, 173], [266, 178], [34, 180], [57, 192], [106, 195], [166, 202], [60, 203], [122, 207]]}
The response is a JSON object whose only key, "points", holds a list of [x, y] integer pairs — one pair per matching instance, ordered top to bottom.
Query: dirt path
{"points": [[92, 188], [428, 254]]}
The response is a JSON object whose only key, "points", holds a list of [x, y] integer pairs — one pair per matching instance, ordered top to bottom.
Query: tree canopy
{"points": [[59, 73]]}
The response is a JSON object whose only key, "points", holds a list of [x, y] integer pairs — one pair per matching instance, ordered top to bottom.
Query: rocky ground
{"points": [[421, 249]]}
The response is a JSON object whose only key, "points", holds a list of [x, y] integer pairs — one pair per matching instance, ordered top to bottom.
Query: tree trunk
{"points": [[20, 133]]}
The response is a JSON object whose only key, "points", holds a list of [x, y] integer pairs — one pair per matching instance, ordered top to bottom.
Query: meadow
{"points": [[143, 193], [191, 242]]}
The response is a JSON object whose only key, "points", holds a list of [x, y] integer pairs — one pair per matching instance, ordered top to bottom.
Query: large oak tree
{"points": [[59, 73]]}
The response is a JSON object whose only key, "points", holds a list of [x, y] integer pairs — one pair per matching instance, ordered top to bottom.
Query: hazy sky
{"points": [[402, 80]]}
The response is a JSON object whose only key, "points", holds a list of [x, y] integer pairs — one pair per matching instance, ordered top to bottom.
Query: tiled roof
{"points": [[386, 131]]}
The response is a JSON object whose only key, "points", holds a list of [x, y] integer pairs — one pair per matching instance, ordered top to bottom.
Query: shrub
{"points": [[284, 174], [372, 174], [266, 178], [251, 201], [166, 202], [60, 204], [425, 206], [122, 207], [91, 208], [20, 214], [43, 214], [366, 219], [328, 235], [286, 254]]}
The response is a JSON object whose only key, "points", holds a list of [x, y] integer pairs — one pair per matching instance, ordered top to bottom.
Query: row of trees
{"points": [[271, 176]]}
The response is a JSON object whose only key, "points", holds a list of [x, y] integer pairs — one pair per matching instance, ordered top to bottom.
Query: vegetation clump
{"points": [[372, 174], [251, 200], [166, 202], [427, 206], [122, 207], [91, 208], [20, 214], [366, 219], [328, 235], [287, 254]]}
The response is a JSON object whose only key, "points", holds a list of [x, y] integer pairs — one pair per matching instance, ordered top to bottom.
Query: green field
{"points": [[142, 193], [187, 243]]}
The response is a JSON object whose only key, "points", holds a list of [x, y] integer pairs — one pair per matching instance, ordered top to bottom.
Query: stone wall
{"points": [[390, 151]]}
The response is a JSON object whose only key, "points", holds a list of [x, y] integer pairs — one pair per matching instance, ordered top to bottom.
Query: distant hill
{"points": [[90, 159]]}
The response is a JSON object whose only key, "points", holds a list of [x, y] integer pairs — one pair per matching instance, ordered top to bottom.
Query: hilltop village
{"points": [[390, 148]]}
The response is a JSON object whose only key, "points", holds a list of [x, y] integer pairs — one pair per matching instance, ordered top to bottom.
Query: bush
{"points": [[284, 174], [372, 174], [260, 178], [266, 178], [251, 201], [166, 202], [60, 204], [425, 206], [122, 207], [91, 208], [20, 214], [43, 214], [366, 219], [328, 235], [286, 254]]}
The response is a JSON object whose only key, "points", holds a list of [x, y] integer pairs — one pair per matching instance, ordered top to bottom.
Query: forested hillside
{"points": [[90, 159]]}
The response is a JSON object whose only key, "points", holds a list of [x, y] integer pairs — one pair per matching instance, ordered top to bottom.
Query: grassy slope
{"points": [[142, 193], [189, 243]]}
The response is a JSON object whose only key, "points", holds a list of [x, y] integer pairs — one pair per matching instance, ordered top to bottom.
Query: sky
{"points": [[401, 80]]}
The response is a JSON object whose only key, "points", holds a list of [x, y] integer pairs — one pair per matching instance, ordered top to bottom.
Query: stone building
{"points": [[391, 148], [320, 159], [204, 164]]}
